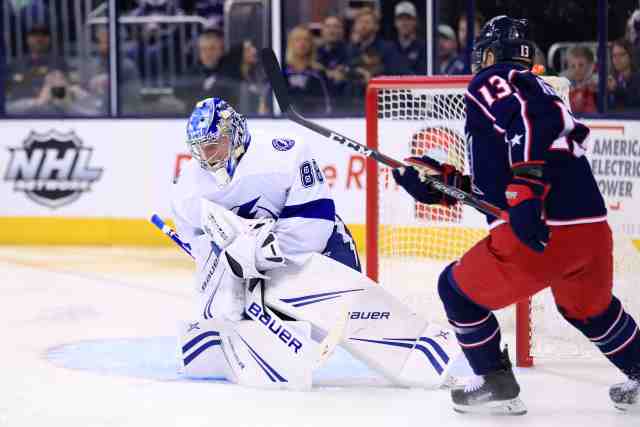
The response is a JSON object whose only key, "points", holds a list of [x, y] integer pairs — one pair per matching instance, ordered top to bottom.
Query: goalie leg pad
{"points": [[223, 295], [476, 327], [378, 329], [401, 345], [199, 350], [242, 352], [261, 355]]}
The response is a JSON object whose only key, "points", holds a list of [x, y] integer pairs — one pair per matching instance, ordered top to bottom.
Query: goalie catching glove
{"points": [[412, 179], [249, 247]]}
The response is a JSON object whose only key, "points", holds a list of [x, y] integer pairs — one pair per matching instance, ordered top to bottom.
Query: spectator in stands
{"points": [[365, 34], [633, 34], [407, 42], [155, 47], [463, 49], [210, 52], [332, 52], [332, 55], [540, 59], [448, 60], [26, 76], [305, 76], [97, 77], [206, 77], [243, 80], [624, 81], [582, 94], [57, 97]]}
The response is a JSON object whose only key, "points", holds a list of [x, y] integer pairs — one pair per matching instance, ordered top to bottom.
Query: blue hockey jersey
{"points": [[515, 118]]}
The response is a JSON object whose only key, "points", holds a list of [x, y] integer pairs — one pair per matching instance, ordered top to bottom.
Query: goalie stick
{"points": [[274, 73], [325, 348]]}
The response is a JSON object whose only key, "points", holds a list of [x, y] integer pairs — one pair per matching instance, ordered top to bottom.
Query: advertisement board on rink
{"points": [[614, 155], [124, 168]]}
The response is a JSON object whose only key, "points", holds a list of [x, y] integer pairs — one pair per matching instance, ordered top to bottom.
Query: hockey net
{"points": [[408, 244]]}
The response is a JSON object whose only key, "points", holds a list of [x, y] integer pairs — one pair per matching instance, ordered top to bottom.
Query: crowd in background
{"points": [[327, 64]]}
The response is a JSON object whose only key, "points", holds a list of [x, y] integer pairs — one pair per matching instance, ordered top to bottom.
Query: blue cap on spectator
{"points": [[406, 8]]}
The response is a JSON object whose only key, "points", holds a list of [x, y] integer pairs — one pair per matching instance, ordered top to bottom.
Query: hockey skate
{"points": [[495, 393], [625, 396]]}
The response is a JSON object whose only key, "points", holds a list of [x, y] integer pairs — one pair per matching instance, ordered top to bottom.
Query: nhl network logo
{"points": [[52, 168]]}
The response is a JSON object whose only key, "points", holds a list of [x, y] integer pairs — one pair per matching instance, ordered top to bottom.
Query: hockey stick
{"points": [[274, 73], [170, 232], [325, 348]]}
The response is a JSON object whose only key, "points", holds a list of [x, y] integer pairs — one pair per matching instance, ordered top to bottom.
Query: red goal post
{"points": [[430, 105]]}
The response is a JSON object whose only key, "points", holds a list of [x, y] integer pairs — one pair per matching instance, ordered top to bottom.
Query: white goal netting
{"points": [[413, 242]]}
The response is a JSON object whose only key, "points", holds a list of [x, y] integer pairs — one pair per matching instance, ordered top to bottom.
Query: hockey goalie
{"points": [[278, 278]]}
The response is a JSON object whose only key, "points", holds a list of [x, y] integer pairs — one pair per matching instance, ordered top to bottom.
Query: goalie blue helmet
{"points": [[506, 38], [217, 136]]}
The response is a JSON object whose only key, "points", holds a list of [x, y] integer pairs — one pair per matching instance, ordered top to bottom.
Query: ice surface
{"points": [[87, 341]]}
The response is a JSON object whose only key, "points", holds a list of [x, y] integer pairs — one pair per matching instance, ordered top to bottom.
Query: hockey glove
{"points": [[412, 179], [525, 197]]}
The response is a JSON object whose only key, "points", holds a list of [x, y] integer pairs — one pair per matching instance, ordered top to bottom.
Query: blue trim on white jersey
{"points": [[315, 209]]}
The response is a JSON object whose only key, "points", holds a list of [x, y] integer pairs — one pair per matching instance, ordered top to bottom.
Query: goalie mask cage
{"points": [[408, 243]]}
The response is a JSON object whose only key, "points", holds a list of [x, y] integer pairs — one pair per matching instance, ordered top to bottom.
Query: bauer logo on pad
{"points": [[282, 144], [52, 168]]}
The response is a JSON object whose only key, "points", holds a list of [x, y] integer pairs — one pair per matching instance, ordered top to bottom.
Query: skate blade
{"points": [[500, 407], [627, 407]]}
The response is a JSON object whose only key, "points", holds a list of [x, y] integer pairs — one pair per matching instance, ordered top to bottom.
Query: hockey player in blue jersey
{"points": [[526, 154]]}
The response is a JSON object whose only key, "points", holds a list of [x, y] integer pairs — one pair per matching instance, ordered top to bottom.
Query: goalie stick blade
{"points": [[274, 73]]}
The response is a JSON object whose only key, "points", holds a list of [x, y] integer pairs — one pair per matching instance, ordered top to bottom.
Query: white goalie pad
{"points": [[220, 224], [250, 245], [222, 293], [380, 330], [199, 350], [254, 354]]}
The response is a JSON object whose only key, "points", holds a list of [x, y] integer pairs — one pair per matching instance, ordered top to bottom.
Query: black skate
{"points": [[495, 393], [625, 396]]}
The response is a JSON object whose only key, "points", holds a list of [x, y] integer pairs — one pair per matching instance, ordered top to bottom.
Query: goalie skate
{"points": [[495, 393], [625, 395]]}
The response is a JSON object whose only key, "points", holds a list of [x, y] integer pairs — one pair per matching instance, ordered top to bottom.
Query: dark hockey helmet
{"points": [[507, 39]]}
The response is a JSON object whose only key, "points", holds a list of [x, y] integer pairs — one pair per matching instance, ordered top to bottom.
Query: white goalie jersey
{"points": [[278, 179]]}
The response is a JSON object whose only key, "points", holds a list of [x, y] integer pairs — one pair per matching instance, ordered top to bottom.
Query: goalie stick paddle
{"points": [[276, 78], [325, 348]]}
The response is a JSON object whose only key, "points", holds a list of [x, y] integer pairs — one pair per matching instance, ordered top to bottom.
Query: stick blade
{"points": [[274, 73]]}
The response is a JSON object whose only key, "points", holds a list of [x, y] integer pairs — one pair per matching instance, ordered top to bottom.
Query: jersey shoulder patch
{"points": [[282, 144]]}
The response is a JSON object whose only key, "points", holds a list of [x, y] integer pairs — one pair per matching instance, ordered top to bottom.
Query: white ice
{"points": [[87, 341]]}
